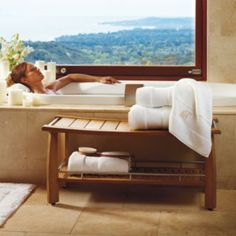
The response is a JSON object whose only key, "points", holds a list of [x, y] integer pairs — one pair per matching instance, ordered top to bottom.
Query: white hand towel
{"points": [[154, 97], [191, 115], [140, 117], [82, 163], [113, 164]]}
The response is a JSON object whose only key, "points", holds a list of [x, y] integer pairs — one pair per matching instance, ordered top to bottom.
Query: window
{"points": [[129, 39]]}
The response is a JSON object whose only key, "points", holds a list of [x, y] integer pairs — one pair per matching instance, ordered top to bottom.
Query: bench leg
{"points": [[52, 171], [210, 179]]}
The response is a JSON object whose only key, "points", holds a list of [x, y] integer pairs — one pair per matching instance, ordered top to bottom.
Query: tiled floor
{"points": [[124, 210]]}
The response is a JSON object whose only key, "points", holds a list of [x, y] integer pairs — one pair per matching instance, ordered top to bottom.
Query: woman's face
{"points": [[32, 75]]}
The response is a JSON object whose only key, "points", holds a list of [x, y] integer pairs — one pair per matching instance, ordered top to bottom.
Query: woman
{"points": [[30, 76]]}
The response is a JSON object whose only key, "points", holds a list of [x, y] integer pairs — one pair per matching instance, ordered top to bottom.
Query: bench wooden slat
{"points": [[64, 122], [79, 123], [94, 124], [110, 125], [123, 126]]}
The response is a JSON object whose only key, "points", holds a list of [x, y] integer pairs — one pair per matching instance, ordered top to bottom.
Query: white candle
{"points": [[40, 65], [52, 67], [4, 69], [47, 76], [3, 91], [15, 97], [36, 100], [27, 102]]}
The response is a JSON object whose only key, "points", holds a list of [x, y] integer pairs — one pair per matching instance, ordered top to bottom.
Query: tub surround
{"points": [[24, 146]]}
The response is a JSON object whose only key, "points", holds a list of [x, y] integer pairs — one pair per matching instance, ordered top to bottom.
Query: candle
{"points": [[40, 65], [52, 67], [4, 69], [47, 76], [3, 91], [15, 97], [36, 100], [27, 102]]}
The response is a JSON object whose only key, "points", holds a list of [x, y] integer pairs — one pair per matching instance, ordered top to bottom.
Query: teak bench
{"points": [[202, 175]]}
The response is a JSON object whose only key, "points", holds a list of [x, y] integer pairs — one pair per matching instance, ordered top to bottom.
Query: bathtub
{"points": [[224, 94]]}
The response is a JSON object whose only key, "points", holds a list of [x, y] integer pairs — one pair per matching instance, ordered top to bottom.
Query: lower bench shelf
{"points": [[203, 174]]}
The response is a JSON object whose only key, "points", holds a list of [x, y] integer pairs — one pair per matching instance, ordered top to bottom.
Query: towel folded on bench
{"points": [[154, 97], [140, 117], [82, 163], [93, 164], [113, 164]]}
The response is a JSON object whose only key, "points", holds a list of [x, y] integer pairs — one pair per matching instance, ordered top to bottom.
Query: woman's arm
{"points": [[63, 81]]}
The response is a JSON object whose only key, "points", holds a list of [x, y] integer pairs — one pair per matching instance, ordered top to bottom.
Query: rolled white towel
{"points": [[154, 97], [140, 117], [82, 163], [113, 164]]}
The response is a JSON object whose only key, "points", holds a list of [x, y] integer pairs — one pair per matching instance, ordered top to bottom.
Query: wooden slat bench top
{"points": [[101, 126]]}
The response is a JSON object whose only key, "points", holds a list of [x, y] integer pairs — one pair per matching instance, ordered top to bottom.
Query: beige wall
{"points": [[222, 41]]}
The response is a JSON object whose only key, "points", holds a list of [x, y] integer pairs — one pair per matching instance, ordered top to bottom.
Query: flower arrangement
{"points": [[14, 51]]}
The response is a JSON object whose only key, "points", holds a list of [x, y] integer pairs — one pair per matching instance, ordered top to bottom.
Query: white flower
{"points": [[14, 51]]}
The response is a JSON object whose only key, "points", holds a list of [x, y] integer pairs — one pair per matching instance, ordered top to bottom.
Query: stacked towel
{"points": [[154, 97], [191, 115], [140, 117], [189, 118], [82, 163], [88, 164], [113, 164]]}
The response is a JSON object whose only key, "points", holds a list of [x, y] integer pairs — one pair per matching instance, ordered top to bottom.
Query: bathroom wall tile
{"points": [[213, 12], [228, 17], [13, 133], [226, 146], [23, 176], [226, 181]]}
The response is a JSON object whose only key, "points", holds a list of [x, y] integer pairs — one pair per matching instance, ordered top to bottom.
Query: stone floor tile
{"points": [[160, 198], [226, 200], [43, 218], [117, 221], [195, 222], [2, 233]]}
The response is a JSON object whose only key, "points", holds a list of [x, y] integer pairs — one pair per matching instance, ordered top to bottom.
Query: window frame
{"points": [[132, 72]]}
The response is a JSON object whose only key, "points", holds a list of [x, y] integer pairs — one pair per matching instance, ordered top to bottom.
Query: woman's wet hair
{"points": [[18, 72]]}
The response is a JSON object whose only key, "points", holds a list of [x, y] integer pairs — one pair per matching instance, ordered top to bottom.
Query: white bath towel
{"points": [[154, 97], [191, 115], [140, 117], [82, 163], [113, 164]]}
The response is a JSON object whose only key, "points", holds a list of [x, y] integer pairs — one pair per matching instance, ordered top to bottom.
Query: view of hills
{"points": [[156, 22], [144, 44]]}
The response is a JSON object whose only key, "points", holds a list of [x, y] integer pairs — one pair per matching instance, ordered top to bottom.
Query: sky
{"points": [[97, 7], [46, 19]]}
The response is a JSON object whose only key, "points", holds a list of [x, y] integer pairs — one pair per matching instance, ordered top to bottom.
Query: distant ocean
{"points": [[48, 28]]}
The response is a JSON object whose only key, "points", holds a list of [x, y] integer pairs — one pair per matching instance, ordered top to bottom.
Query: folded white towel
{"points": [[154, 97], [191, 115], [140, 117], [82, 163], [113, 164]]}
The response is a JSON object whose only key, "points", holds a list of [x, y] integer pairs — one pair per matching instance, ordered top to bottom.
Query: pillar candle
{"points": [[40, 65], [52, 67], [4, 69], [47, 77], [3, 91], [15, 97], [36, 100], [27, 102]]}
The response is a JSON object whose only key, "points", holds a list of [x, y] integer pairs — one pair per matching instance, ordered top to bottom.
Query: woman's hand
{"points": [[108, 80]]}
